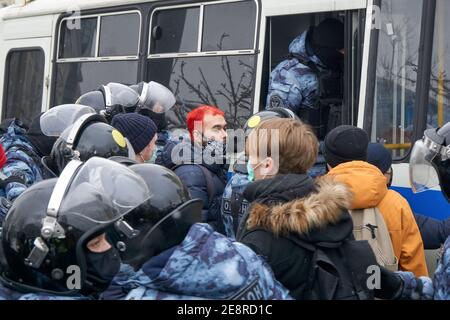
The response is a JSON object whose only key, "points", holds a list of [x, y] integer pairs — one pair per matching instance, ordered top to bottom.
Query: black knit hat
{"points": [[138, 129], [344, 144], [379, 156]]}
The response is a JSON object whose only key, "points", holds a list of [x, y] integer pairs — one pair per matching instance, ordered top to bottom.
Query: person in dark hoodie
{"points": [[295, 222], [434, 232]]}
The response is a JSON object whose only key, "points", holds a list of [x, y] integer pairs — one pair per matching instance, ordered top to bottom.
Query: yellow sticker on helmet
{"points": [[254, 121], [119, 139]]}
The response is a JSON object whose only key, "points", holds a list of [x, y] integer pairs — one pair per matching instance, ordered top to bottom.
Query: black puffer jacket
{"points": [[204, 181], [293, 206]]}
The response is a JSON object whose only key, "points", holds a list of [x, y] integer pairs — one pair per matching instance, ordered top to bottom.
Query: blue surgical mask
{"points": [[251, 171]]}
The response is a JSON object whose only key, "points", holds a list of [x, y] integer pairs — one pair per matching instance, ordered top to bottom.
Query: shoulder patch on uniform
{"points": [[276, 102], [253, 291]]}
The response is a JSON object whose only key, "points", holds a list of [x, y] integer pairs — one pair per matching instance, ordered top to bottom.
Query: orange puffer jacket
{"points": [[369, 187]]}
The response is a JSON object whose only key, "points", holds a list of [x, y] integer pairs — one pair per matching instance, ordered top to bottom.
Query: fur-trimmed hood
{"points": [[318, 212]]}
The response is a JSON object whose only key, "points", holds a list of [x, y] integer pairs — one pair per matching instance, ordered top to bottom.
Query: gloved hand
{"points": [[415, 288]]}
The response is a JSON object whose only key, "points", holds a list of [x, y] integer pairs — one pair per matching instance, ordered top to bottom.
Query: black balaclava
{"points": [[326, 40], [158, 118], [102, 268]]}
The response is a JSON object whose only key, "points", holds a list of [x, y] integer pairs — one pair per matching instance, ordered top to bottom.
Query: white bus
{"points": [[222, 53]]}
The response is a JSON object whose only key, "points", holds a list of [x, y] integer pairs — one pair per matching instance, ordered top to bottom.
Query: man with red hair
{"points": [[205, 124], [203, 170]]}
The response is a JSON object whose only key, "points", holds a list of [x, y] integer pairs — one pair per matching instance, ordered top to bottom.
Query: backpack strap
{"points": [[209, 182], [235, 207]]}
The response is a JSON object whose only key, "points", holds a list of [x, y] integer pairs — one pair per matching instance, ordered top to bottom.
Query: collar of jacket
{"points": [[281, 188], [325, 204]]}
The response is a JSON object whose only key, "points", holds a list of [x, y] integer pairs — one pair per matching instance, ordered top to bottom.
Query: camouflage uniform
{"points": [[292, 84], [22, 162], [233, 195], [206, 265], [442, 275], [9, 294]]}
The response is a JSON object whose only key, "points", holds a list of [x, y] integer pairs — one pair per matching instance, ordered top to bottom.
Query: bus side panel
{"points": [[430, 203]]}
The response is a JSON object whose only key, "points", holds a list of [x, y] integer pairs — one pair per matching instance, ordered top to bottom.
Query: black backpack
{"points": [[338, 271]]}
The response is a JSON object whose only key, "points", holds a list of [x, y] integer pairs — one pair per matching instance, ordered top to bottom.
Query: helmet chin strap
{"points": [[108, 100], [50, 226]]}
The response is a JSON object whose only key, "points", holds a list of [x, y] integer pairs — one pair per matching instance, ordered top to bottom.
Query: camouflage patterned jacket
{"points": [[292, 84], [22, 163], [233, 202], [206, 265], [441, 279], [9, 294]]}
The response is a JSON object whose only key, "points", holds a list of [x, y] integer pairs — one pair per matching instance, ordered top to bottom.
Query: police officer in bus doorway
{"points": [[309, 81], [429, 167]]}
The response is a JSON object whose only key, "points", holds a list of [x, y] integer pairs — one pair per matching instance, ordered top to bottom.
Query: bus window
{"points": [[175, 30], [220, 34], [119, 35], [78, 41], [87, 61], [214, 65], [396, 75], [76, 78], [24, 80], [224, 81], [438, 107]]}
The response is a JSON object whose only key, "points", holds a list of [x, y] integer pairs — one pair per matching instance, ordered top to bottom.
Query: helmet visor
{"points": [[122, 95], [156, 97], [57, 119], [422, 174], [125, 189]]}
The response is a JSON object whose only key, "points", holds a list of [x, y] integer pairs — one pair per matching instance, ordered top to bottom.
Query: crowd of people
{"points": [[99, 200]]}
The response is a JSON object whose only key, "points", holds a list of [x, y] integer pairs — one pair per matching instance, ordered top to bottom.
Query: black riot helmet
{"points": [[94, 99], [111, 99], [154, 101], [261, 116], [89, 136], [429, 165], [162, 221], [46, 231]]}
